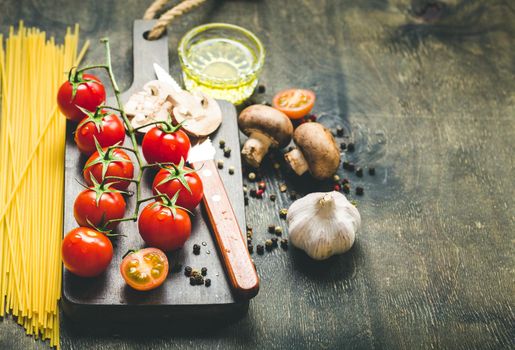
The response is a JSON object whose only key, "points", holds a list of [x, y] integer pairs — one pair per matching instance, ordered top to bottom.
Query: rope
{"points": [[153, 9], [167, 17]]}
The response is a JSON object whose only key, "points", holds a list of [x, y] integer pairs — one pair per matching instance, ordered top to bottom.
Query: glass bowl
{"points": [[221, 60]]}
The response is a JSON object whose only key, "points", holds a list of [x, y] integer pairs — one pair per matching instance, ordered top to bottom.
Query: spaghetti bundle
{"points": [[32, 141]]}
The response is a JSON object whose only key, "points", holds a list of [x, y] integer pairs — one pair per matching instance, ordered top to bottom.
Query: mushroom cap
{"points": [[266, 120], [319, 149]]}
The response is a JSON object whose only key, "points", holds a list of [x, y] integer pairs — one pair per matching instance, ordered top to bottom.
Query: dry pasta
{"points": [[32, 141]]}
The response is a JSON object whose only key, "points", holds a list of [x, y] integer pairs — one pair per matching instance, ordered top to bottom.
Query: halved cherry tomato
{"points": [[89, 94], [295, 103], [105, 127], [160, 146], [117, 164], [170, 180], [95, 206], [164, 225], [86, 252], [145, 269]]}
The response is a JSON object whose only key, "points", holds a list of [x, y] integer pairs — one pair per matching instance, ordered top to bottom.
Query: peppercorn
{"points": [[261, 89], [312, 117], [339, 130], [221, 143], [343, 146], [350, 147], [227, 152], [220, 163], [345, 165], [351, 167], [231, 170], [371, 171], [359, 172], [252, 176], [336, 178], [345, 181], [262, 185], [283, 188], [336, 188], [346, 188], [245, 189], [359, 191], [259, 193], [293, 195], [273, 197], [246, 200], [283, 212], [271, 228], [278, 230], [249, 240], [274, 242], [284, 243], [268, 245], [250, 247], [196, 249], [260, 249], [187, 271], [203, 271], [195, 273], [199, 280], [192, 281], [207, 282]]}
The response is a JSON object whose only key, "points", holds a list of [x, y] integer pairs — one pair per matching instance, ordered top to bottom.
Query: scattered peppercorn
{"points": [[261, 89], [312, 117], [339, 130], [221, 143], [343, 146], [350, 147], [227, 152], [220, 163], [345, 165], [231, 170], [371, 171], [359, 172], [252, 176], [345, 181], [262, 185], [283, 188], [346, 188], [359, 191], [253, 192], [259, 193], [273, 197], [246, 200], [283, 212], [271, 228], [278, 230], [249, 240], [274, 242], [284, 243], [268, 245], [250, 247], [196, 249], [260, 249], [187, 271], [203, 271], [195, 273], [199, 280], [192, 281], [207, 282]]}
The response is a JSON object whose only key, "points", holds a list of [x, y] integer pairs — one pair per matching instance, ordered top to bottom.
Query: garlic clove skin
{"points": [[323, 224]]}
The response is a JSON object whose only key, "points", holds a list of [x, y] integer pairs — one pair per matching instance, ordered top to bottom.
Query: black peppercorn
{"points": [[261, 89], [339, 131], [221, 143], [343, 146], [350, 147], [227, 152], [345, 165], [371, 171], [359, 172], [345, 181], [346, 188], [359, 191], [253, 192], [273, 197], [246, 200], [283, 213], [271, 228], [278, 230], [274, 242], [284, 243], [268, 244], [250, 247], [196, 249], [260, 249], [187, 271], [203, 271], [199, 280], [193, 281], [207, 282]]}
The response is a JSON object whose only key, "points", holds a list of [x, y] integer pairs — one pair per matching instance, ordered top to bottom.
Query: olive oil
{"points": [[222, 68]]}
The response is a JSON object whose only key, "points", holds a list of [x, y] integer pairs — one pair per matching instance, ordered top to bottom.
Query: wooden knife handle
{"points": [[240, 268]]}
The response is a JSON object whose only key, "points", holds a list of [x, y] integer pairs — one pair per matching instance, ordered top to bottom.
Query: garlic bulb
{"points": [[323, 224]]}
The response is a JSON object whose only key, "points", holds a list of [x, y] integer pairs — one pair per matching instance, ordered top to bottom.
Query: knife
{"points": [[232, 246]]}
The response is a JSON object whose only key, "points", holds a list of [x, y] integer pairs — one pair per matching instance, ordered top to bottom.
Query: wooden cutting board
{"points": [[107, 296]]}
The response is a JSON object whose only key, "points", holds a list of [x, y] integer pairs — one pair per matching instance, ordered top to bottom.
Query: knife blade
{"points": [[162, 75]]}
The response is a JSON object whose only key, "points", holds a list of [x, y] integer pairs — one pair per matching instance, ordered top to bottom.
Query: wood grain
{"points": [[429, 103]]}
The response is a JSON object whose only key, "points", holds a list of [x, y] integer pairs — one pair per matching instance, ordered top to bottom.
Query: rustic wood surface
{"points": [[426, 91]]}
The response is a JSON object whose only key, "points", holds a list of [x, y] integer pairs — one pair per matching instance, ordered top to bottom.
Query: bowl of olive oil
{"points": [[221, 60]]}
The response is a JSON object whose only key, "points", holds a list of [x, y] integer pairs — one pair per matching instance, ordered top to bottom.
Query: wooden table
{"points": [[427, 94]]}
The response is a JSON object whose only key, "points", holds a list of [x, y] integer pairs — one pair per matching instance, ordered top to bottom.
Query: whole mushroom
{"points": [[266, 127], [316, 151]]}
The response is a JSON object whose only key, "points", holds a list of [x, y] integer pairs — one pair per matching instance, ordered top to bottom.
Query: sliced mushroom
{"points": [[150, 105], [199, 114], [266, 127], [317, 151]]}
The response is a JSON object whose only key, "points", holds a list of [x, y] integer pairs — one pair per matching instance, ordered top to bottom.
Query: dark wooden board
{"points": [[430, 103], [108, 295]]}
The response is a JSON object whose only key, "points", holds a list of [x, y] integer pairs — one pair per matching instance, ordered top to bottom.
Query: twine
{"points": [[166, 18]]}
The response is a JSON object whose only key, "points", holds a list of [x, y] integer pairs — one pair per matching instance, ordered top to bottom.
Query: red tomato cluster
{"points": [[164, 224]]}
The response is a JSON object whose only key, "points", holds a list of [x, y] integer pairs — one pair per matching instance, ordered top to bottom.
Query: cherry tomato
{"points": [[90, 93], [295, 103], [106, 128], [161, 146], [117, 164], [180, 179], [95, 206], [163, 226], [86, 252], [145, 269]]}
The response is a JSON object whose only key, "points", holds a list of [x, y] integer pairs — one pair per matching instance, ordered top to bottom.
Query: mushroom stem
{"points": [[255, 148], [297, 162]]}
